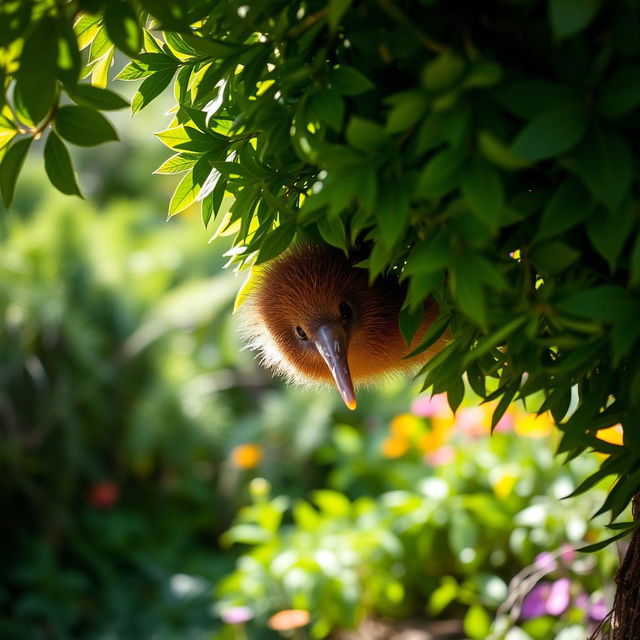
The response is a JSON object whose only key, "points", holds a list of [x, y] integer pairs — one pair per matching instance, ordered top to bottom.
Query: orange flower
{"points": [[531, 425], [404, 426], [613, 435], [431, 441], [394, 447], [246, 456], [288, 619]]}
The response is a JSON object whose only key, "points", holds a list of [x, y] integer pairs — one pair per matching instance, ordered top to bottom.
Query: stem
{"points": [[397, 14], [307, 23], [37, 132]]}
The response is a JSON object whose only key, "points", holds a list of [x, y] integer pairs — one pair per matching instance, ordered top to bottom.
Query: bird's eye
{"points": [[346, 311], [301, 334]]}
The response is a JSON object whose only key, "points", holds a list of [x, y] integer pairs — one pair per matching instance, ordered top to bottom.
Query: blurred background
{"points": [[155, 483]]}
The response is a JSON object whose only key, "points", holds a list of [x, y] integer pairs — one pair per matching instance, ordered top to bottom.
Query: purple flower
{"points": [[545, 562], [559, 595], [582, 601], [534, 603], [598, 610], [236, 615]]}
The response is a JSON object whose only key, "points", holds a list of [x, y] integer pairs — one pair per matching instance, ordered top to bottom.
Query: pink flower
{"points": [[430, 406], [473, 422], [505, 424], [441, 456], [567, 553], [545, 562], [559, 596], [236, 615]]}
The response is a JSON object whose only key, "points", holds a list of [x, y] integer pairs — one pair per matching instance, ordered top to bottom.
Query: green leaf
{"points": [[337, 8], [569, 17], [14, 19], [123, 27], [86, 28], [100, 45], [69, 62], [100, 70], [135, 70], [443, 72], [483, 73], [35, 79], [349, 81], [151, 88], [620, 93], [102, 99], [529, 99], [328, 106], [407, 108], [83, 126], [551, 134], [366, 135], [184, 138], [498, 153], [178, 163], [604, 163], [58, 165], [10, 167], [441, 173], [189, 187], [483, 191], [212, 203], [569, 205], [392, 212], [608, 231], [333, 232], [276, 241], [429, 255], [553, 257], [634, 275], [422, 285], [468, 292], [605, 303], [409, 321], [434, 332], [494, 339], [507, 397], [592, 548], [477, 622]]}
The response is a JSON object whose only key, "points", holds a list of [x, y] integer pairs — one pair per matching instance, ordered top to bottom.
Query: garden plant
{"points": [[486, 153]]}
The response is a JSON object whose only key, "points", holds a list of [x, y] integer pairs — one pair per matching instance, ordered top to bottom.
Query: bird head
{"points": [[315, 319]]}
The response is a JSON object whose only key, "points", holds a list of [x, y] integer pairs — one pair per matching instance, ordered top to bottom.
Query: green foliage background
{"points": [[487, 153]]}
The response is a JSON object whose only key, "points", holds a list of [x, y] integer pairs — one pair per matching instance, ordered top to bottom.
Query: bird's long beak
{"points": [[331, 342]]}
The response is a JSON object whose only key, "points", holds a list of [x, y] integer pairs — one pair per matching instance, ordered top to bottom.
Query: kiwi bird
{"points": [[314, 319]]}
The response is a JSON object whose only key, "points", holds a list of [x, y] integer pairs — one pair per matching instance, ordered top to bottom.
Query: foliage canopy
{"points": [[487, 153]]}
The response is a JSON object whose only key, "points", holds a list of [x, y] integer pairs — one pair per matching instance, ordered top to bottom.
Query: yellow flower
{"points": [[443, 424], [531, 425], [404, 426], [613, 435], [394, 447], [246, 456], [504, 485], [289, 619]]}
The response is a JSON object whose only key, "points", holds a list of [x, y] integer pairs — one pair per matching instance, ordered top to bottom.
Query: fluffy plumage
{"points": [[313, 286]]}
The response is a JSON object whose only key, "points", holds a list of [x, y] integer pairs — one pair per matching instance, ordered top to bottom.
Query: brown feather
{"points": [[304, 287]]}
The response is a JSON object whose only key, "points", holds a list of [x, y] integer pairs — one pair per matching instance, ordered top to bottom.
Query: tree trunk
{"points": [[623, 623]]}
